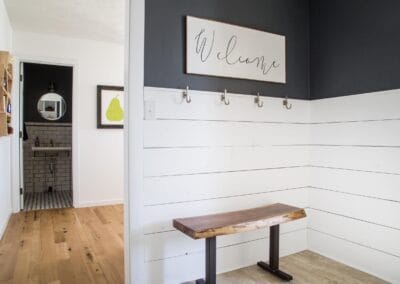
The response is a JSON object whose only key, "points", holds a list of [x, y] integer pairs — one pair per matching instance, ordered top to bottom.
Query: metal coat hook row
{"points": [[186, 96], [224, 98], [258, 100], [286, 103]]}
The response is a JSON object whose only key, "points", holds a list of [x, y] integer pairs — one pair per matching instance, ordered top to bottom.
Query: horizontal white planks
{"points": [[208, 106], [371, 106], [188, 133], [383, 133], [206, 157], [374, 159], [174, 161], [355, 181], [377, 185], [184, 188], [372, 210], [159, 218], [356, 231], [175, 243], [374, 262], [190, 267]]}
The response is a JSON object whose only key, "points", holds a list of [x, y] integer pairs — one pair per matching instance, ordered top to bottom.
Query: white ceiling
{"points": [[89, 19]]}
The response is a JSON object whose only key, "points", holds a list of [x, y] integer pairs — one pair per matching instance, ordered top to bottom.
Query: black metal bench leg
{"points": [[211, 262], [273, 266]]}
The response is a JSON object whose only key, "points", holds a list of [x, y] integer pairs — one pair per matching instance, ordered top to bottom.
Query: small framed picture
{"points": [[110, 106]]}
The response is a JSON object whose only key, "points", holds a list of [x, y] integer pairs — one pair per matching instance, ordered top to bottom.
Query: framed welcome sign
{"points": [[225, 50], [110, 107]]}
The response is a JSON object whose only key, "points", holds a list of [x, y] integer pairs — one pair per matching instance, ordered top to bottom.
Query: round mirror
{"points": [[52, 106]]}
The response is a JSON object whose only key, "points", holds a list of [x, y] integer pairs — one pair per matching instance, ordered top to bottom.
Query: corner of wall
{"points": [[6, 149], [4, 222]]}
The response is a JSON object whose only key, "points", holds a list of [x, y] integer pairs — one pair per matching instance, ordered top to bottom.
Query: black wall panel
{"points": [[165, 42], [354, 47], [37, 78]]}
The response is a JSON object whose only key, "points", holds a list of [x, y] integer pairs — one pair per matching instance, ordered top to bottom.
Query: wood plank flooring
{"points": [[64, 246], [83, 246], [306, 267]]}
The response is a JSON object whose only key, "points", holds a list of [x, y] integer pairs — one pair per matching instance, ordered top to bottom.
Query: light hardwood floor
{"points": [[64, 246], [82, 246], [306, 267]]}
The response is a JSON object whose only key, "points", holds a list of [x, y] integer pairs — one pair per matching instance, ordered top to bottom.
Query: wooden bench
{"points": [[211, 226]]}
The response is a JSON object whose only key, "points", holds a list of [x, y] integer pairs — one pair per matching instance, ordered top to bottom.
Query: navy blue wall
{"points": [[165, 42], [333, 47], [354, 47]]}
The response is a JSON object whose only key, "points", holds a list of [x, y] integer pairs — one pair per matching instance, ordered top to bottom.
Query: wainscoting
{"points": [[206, 157], [336, 157], [355, 195]]}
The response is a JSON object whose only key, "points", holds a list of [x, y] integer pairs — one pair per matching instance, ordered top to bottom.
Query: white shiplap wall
{"points": [[205, 157], [342, 164], [354, 213]]}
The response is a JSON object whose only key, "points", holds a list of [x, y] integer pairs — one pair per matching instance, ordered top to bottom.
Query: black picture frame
{"points": [[101, 88]]}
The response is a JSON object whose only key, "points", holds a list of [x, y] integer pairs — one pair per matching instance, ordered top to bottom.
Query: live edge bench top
{"points": [[238, 221]]}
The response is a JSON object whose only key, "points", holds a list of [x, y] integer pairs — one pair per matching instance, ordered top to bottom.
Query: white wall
{"points": [[5, 29], [5, 142], [205, 157], [99, 159], [342, 164], [5, 182], [354, 214]]}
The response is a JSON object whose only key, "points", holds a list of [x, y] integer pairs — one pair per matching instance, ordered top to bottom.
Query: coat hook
{"points": [[186, 96], [224, 98], [258, 100], [286, 103]]}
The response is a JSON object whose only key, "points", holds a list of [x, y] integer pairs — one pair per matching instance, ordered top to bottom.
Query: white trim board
{"points": [[75, 131], [133, 142]]}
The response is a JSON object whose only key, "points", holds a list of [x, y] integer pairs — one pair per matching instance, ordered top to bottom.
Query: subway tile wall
{"points": [[38, 176]]}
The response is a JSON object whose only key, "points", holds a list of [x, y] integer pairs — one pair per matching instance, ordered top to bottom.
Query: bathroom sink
{"points": [[51, 149]]}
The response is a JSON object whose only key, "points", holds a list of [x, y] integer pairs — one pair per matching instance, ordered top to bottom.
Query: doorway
{"points": [[46, 136]]}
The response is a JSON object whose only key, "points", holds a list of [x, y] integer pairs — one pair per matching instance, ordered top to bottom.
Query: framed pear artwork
{"points": [[110, 106]]}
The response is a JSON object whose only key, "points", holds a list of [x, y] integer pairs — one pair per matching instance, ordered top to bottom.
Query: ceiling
{"points": [[89, 19]]}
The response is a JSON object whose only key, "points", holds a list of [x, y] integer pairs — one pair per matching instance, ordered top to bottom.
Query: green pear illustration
{"points": [[114, 111]]}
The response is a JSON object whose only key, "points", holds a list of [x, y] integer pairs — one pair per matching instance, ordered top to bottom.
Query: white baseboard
{"points": [[100, 203], [3, 224]]}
